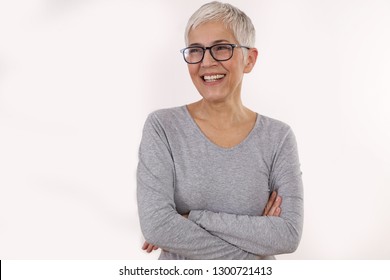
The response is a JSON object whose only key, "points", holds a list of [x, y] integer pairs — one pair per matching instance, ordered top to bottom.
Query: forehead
{"points": [[209, 33]]}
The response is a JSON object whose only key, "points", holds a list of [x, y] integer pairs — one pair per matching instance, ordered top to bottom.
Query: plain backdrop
{"points": [[79, 77]]}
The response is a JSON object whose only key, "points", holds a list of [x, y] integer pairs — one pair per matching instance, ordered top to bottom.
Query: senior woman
{"points": [[216, 180]]}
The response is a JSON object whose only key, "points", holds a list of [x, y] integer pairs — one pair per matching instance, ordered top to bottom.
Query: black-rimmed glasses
{"points": [[220, 52]]}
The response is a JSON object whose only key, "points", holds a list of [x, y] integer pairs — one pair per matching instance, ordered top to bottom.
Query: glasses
{"points": [[220, 52]]}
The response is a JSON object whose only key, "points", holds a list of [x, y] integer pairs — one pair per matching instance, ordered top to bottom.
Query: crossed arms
{"points": [[203, 234]]}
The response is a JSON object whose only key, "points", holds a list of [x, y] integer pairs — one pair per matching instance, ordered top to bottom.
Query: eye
{"points": [[222, 48], [194, 50]]}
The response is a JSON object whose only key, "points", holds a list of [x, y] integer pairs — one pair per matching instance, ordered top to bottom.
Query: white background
{"points": [[78, 78]]}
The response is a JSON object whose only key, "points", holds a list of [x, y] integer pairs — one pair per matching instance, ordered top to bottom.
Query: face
{"points": [[219, 81]]}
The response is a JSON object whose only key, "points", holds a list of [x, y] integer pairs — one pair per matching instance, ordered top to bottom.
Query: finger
{"points": [[271, 201], [275, 205], [277, 212], [145, 245], [150, 248]]}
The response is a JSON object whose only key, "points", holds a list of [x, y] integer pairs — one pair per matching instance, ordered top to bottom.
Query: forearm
{"points": [[165, 228], [260, 235]]}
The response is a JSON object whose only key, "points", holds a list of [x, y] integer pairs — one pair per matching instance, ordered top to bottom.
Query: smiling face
{"points": [[219, 81]]}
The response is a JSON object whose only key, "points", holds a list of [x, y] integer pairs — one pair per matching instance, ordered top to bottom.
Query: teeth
{"points": [[213, 78]]}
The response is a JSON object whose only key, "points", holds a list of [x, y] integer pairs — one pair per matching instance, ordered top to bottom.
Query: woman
{"points": [[212, 175]]}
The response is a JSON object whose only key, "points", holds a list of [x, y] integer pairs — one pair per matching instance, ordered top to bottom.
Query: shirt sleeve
{"points": [[161, 224], [263, 235]]}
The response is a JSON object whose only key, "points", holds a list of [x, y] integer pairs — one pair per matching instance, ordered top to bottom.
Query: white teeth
{"points": [[213, 78]]}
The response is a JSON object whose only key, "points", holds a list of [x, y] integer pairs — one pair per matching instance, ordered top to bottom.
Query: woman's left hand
{"points": [[149, 247]]}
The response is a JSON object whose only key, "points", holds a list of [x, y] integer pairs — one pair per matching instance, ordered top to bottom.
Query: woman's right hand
{"points": [[273, 205]]}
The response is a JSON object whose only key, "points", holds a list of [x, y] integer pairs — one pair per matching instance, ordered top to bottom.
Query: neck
{"points": [[222, 114]]}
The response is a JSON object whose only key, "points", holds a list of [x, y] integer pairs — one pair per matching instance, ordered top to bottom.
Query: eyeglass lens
{"points": [[219, 52]]}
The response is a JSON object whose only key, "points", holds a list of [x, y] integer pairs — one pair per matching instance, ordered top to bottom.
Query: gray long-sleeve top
{"points": [[225, 190]]}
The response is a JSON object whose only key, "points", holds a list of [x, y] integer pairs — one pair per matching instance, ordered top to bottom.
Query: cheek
{"points": [[192, 69], [235, 69]]}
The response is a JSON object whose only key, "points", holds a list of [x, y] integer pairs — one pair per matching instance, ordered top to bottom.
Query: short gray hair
{"points": [[233, 18]]}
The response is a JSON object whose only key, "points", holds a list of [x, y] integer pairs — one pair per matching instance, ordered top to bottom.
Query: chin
{"points": [[214, 97]]}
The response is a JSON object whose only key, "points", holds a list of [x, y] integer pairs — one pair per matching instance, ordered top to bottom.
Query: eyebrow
{"points": [[213, 43]]}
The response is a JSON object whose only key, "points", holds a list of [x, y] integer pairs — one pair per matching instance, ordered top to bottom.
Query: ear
{"points": [[251, 60]]}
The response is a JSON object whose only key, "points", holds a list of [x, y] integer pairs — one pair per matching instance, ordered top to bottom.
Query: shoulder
{"points": [[168, 114], [167, 119], [273, 127], [274, 132], [280, 134]]}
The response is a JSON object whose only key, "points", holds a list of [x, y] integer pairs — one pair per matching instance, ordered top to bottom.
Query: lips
{"points": [[212, 78]]}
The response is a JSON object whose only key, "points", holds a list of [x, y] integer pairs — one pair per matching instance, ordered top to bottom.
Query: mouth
{"points": [[212, 78]]}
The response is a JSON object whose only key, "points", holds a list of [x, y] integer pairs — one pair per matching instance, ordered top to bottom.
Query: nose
{"points": [[208, 59]]}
